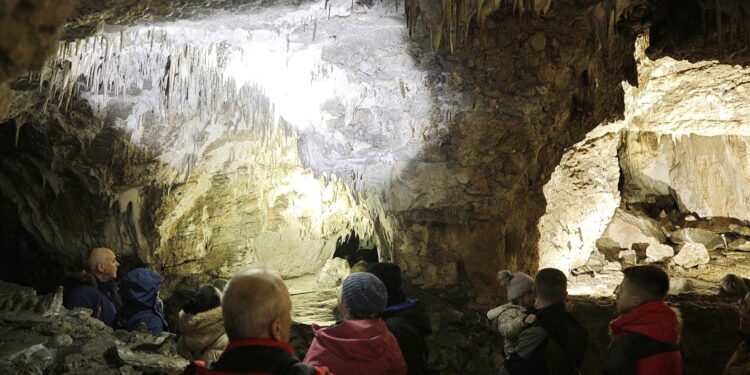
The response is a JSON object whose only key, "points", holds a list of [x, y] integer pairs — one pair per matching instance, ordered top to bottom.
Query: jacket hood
{"points": [[142, 286], [653, 319], [202, 331], [363, 340]]}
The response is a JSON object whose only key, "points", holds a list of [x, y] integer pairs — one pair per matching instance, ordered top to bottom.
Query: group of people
{"points": [[137, 308], [243, 327], [381, 331], [542, 337]]}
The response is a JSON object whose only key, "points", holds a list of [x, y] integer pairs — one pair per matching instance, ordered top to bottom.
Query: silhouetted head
{"points": [[640, 285], [551, 287], [204, 299]]}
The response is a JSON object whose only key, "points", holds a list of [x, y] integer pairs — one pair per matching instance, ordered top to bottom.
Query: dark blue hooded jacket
{"points": [[83, 289], [141, 302]]}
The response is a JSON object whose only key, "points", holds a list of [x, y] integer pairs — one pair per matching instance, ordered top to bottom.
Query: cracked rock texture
{"points": [[30, 30], [685, 126], [134, 138]]}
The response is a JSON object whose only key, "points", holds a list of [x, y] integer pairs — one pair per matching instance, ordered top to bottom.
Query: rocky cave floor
{"points": [[37, 336]]}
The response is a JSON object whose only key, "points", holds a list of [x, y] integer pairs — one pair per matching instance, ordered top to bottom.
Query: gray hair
{"points": [[253, 298]]}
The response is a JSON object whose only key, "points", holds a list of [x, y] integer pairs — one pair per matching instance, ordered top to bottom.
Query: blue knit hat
{"points": [[364, 294]]}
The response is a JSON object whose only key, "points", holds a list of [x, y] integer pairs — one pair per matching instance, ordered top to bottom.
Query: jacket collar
{"points": [[401, 306], [654, 319], [262, 342]]}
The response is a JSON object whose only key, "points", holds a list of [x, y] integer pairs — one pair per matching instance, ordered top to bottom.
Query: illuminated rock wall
{"points": [[684, 134], [198, 146]]}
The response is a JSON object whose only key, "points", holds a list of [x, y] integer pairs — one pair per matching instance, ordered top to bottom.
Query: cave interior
{"points": [[453, 138]]}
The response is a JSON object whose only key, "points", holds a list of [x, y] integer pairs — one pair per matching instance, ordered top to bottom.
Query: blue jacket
{"points": [[85, 290], [142, 303]]}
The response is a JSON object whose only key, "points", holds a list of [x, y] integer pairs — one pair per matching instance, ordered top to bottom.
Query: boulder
{"points": [[627, 228], [740, 229], [709, 239], [741, 244], [659, 252], [691, 255], [628, 257], [596, 261], [679, 285]]}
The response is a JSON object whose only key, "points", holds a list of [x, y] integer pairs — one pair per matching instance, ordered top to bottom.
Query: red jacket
{"points": [[649, 336], [357, 347], [255, 357]]}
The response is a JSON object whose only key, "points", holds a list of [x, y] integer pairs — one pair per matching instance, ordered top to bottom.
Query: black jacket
{"points": [[410, 324], [553, 345], [256, 356]]}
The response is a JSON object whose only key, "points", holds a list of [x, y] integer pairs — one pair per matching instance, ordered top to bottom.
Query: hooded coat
{"points": [[82, 289], [142, 303], [202, 335], [646, 342], [361, 347]]}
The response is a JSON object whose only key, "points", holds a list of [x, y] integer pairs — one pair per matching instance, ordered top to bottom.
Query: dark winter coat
{"points": [[83, 289], [142, 303], [410, 324], [646, 342], [553, 345], [256, 357], [739, 364]]}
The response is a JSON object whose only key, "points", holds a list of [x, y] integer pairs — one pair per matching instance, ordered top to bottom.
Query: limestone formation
{"points": [[30, 30], [581, 198], [627, 228], [709, 239], [741, 244], [659, 252], [691, 255], [628, 257], [334, 271], [678, 285], [71, 341]]}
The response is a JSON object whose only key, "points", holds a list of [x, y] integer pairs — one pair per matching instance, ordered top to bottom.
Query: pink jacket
{"points": [[357, 347]]}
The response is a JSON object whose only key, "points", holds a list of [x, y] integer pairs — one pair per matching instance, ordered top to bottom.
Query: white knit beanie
{"points": [[517, 283]]}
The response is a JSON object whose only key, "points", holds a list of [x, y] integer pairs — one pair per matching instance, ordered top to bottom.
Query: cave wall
{"points": [[30, 29], [524, 90], [684, 134], [437, 156]]}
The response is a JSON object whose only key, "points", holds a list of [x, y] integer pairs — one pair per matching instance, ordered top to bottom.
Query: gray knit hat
{"points": [[518, 283], [364, 294]]}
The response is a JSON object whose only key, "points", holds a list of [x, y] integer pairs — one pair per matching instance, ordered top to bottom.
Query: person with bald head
{"points": [[95, 288], [257, 312]]}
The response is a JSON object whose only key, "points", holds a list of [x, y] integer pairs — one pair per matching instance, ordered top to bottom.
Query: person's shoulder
{"points": [[83, 291]]}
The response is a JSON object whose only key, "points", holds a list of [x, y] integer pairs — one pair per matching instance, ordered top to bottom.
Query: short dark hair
{"points": [[649, 282], [551, 285], [204, 299]]}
